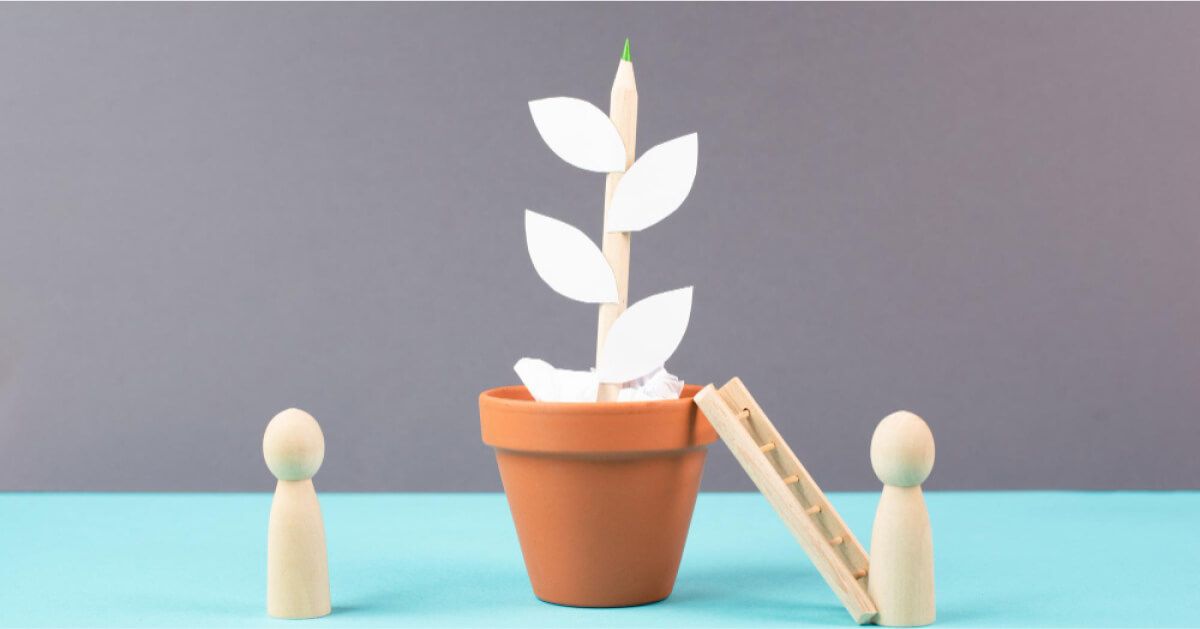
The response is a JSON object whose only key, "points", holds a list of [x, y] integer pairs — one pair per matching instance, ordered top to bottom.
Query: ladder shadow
{"points": [[766, 594]]}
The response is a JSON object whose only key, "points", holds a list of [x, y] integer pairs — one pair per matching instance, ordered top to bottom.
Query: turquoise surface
{"points": [[1004, 559]]}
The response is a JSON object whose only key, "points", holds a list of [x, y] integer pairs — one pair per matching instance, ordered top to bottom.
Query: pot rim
{"points": [[511, 420]]}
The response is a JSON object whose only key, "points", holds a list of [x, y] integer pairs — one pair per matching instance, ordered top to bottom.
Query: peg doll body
{"points": [[297, 568]]}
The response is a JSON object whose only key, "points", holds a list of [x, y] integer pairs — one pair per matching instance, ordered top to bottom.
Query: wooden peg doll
{"points": [[297, 569], [901, 575]]}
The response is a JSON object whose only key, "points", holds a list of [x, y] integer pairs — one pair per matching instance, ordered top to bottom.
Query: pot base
{"points": [[601, 494], [605, 531], [557, 604]]}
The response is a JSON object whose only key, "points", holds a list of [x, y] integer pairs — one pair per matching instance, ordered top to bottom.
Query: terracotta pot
{"points": [[601, 493]]}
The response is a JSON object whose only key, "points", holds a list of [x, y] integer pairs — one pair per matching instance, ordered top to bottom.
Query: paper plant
{"points": [[644, 336]]}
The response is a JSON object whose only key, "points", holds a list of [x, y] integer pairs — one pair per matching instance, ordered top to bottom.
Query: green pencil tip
{"points": [[625, 55]]}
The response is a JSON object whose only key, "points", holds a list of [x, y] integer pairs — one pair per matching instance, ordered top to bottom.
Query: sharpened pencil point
{"points": [[625, 55]]}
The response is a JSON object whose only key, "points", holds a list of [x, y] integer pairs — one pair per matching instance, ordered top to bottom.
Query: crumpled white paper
{"points": [[547, 384]]}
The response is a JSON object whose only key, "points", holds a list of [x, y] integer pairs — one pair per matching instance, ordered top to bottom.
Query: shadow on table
{"points": [[393, 588], [758, 594]]}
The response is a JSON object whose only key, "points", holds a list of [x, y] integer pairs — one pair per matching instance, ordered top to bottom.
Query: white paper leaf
{"points": [[579, 133], [656, 185], [568, 260], [644, 336], [536, 374], [547, 384]]}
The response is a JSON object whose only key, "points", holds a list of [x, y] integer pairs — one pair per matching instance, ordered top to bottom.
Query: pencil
{"points": [[622, 109]]}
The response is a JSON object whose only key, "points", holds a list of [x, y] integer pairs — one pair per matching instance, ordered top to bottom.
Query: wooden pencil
{"points": [[622, 109]]}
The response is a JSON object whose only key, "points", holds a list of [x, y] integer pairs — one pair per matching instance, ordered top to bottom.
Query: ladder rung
{"points": [[837, 555]]}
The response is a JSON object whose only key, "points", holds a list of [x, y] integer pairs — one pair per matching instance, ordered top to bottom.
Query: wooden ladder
{"points": [[793, 493]]}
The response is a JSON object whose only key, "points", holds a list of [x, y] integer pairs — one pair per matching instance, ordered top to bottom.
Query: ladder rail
{"points": [[737, 396], [834, 560]]}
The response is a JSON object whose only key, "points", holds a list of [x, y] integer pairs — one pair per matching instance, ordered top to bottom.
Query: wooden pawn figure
{"points": [[297, 567], [901, 571]]}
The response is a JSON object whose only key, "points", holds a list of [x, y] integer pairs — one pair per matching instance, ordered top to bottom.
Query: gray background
{"points": [[986, 214]]}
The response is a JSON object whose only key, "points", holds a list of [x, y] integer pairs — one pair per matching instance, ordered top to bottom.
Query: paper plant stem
{"points": [[622, 109]]}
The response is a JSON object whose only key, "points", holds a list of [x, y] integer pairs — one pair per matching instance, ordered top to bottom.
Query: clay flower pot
{"points": [[601, 493]]}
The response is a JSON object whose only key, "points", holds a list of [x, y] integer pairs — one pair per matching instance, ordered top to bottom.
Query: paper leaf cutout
{"points": [[579, 133], [655, 186], [568, 260], [644, 336], [547, 384]]}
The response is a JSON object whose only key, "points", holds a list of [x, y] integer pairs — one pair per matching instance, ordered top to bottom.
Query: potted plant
{"points": [[602, 468]]}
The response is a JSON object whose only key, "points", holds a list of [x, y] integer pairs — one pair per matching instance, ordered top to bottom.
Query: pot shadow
{"points": [[390, 588], [766, 594]]}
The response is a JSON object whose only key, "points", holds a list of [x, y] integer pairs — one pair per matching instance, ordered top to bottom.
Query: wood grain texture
{"points": [[622, 109], [801, 504], [297, 565], [901, 581]]}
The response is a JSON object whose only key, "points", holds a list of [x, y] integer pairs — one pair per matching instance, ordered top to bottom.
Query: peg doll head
{"points": [[293, 445], [902, 450]]}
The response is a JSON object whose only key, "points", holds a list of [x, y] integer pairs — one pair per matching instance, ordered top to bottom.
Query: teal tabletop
{"points": [[1003, 559]]}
